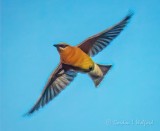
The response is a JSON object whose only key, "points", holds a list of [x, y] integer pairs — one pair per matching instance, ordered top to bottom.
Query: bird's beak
{"points": [[56, 45]]}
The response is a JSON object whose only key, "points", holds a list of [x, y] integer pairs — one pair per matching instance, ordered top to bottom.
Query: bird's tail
{"points": [[98, 73]]}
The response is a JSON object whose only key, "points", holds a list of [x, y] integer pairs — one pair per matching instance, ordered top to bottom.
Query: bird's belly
{"points": [[78, 59]]}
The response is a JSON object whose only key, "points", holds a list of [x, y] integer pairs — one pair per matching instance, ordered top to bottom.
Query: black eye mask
{"points": [[63, 46]]}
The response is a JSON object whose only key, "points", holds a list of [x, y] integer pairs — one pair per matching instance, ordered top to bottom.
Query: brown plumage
{"points": [[75, 59]]}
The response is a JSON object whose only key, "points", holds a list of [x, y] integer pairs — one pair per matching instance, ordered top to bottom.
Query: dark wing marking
{"points": [[93, 45], [58, 80]]}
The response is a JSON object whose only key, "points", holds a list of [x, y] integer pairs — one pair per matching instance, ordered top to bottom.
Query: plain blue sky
{"points": [[130, 91]]}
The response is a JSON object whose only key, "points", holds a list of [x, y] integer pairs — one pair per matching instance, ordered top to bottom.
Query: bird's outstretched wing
{"points": [[93, 45], [58, 80]]}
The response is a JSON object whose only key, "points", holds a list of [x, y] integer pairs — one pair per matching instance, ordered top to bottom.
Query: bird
{"points": [[77, 59]]}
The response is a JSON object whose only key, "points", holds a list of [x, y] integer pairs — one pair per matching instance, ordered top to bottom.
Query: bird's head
{"points": [[61, 47]]}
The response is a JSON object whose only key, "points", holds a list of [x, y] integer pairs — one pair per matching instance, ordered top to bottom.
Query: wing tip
{"points": [[129, 15], [33, 109], [30, 112], [27, 114]]}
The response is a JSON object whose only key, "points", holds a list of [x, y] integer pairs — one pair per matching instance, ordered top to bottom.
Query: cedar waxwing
{"points": [[75, 59]]}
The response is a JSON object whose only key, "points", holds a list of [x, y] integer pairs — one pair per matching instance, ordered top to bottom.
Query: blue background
{"points": [[130, 91]]}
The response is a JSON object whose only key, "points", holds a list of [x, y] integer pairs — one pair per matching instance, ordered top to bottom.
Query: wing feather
{"points": [[103, 39], [56, 83]]}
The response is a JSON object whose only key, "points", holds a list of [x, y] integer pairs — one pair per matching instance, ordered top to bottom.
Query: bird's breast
{"points": [[77, 58]]}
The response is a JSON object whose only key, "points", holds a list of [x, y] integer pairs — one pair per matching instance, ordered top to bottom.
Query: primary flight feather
{"points": [[75, 59]]}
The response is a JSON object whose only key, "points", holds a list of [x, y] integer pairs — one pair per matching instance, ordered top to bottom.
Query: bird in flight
{"points": [[77, 59]]}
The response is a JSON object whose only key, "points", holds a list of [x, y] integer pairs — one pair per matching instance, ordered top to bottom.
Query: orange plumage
{"points": [[76, 57]]}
